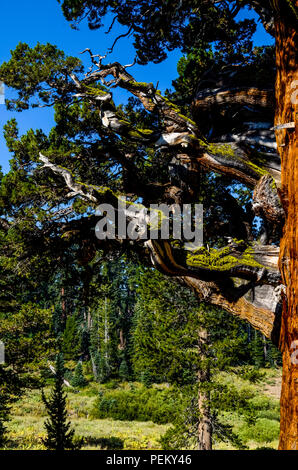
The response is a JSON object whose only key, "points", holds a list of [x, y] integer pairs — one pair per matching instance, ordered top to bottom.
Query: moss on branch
{"points": [[227, 151], [221, 259]]}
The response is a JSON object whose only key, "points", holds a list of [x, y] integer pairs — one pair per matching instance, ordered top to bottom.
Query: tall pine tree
{"points": [[59, 435]]}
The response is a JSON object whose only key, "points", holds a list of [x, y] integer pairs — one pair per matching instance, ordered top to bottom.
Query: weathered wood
{"points": [[242, 96], [286, 111], [260, 311]]}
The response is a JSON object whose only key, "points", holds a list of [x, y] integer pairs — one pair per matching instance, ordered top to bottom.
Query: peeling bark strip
{"points": [[286, 111]]}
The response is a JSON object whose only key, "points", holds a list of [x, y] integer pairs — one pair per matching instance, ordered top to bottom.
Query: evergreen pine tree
{"points": [[103, 333], [71, 339], [257, 349], [274, 356], [104, 370], [124, 370], [79, 380], [10, 391], [4, 416], [59, 434]]}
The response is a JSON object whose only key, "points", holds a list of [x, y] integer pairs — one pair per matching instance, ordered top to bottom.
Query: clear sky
{"points": [[35, 21]]}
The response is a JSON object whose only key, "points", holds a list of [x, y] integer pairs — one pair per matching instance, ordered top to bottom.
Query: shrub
{"points": [[251, 374], [78, 379], [111, 384], [262, 402], [139, 404], [269, 414], [264, 430], [107, 443], [264, 448]]}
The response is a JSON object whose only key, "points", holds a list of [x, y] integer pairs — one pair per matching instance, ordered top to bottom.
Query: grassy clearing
{"points": [[28, 415], [26, 432]]}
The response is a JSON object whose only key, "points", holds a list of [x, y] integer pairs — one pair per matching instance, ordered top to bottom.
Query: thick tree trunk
{"points": [[286, 112], [205, 425]]}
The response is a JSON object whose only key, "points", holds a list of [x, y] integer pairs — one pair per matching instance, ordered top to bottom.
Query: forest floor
{"points": [[26, 427]]}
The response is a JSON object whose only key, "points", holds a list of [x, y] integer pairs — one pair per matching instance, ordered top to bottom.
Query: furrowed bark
{"points": [[286, 111]]}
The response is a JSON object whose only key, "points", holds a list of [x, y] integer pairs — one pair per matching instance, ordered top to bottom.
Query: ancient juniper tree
{"points": [[171, 150]]}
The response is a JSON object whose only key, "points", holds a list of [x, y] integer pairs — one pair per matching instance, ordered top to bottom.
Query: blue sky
{"points": [[34, 21]]}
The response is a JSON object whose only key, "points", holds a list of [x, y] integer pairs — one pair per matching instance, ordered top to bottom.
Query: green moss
{"points": [[293, 8], [138, 86], [144, 86], [94, 91], [170, 104], [187, 119], [124, 122], [145, 131], [139, 133], [193, 139], [222, 149], [227, 150], [67, 169], [257, 169], [273, 185], [220, 260]]}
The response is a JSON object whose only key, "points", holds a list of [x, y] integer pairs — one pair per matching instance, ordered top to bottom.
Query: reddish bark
{"points": [[286, 112]]}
